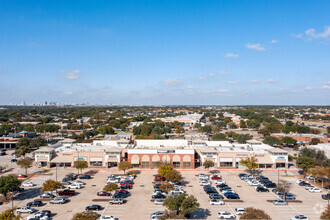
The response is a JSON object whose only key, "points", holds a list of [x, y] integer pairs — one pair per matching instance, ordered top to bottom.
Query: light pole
{"points": [[56, 172]]}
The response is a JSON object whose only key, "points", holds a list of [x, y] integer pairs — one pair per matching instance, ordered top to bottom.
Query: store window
{"points": [[95, 163], [145, 164], [176, 164], [226, 164], [186, 165]]}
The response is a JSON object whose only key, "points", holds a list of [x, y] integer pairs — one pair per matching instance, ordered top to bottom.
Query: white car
{"points": [[203, 177], [309, 177], [113, 181], [300, 181], [79, 182], [220, 182], [204, 183], [253, 183], [27, 184], [74, 186], [309, 187], [315, 189], [226, 191], [159, 192], [159, 201], [216, 202], [25, 209], [239, 211], [156, 214], [226, 215], [38, 216], [108, 217], [298, 217]]}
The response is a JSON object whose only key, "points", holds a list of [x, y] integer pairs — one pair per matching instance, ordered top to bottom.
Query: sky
{"points": [[171, 52]]}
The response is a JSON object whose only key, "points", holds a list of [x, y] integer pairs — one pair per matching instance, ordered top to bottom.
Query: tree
{"points": [[253, 123], [242, 124], [232, 125], [207, 129], [105, 130], [219, 137], [272, 140], [289, 141], [314, 141], [23, 147], [25, 163], [208, 163], [251, 163], [305, 163], [326, 163], [80, 165], [124, 165], [164, 169], [320, 172], [173, 176], [8, 184], [51, 185], [284, 186], [110, 187], [166, 187], [181, 204], [189, 204], [253, 213], [326, 213], [9, 214], [85, 216]]}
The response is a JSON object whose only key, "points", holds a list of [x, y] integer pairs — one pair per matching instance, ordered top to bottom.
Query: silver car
{"points": [[58, 200]]}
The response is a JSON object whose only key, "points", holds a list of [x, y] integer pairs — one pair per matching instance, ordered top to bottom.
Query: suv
{"points": [[74, 186], [261, 189], [66, 192], [58, 200], [116, 201], [36, 203], [226, 215]]}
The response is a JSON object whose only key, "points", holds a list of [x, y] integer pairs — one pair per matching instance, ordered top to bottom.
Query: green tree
{"points": [[253, 123], [242, 124], [232, 125], [107, 129], [207, 129], [303, 129], [328, 129], [219, 137], [272, 140], [289, 141], [315, 141], [25, 163], [208, 163], [251, 163], [305, 163], [326, 163], [80, 165], [124, 165], [164, 169], [173, 176], [8, 184], [51, 185], [284, 186], [110, 187], [166, 187], [181, 204], [189, 204], [253, 213], [9, 214], [85, 216]]}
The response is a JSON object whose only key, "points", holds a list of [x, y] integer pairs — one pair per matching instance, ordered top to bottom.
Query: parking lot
{"points": [[139, 206]]}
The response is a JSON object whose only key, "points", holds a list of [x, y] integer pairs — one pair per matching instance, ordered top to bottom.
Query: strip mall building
{"points": [[148, 154]]}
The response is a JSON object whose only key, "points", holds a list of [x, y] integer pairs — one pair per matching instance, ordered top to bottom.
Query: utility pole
{"points": [[56, 172]]}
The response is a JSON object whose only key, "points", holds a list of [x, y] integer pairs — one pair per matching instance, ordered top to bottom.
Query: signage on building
{"points": [[165, 151], [280, 157]]}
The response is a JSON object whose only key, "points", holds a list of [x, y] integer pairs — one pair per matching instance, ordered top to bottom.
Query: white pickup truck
{"points": [[25, 209]]}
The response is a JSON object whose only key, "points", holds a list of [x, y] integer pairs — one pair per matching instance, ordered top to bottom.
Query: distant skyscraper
{"points": [[45, 102], [23, 103]]}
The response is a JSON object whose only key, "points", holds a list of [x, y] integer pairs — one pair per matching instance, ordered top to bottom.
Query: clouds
{"points": [[311, 33], [273, 41], [255, 47], [231, 55], [223, 72], [71, 75], [202, 78], [255, 81], [271, 81], [172, 82], [232, 82], [326, 85], [191, 87], [308, 88], [222, 91]]}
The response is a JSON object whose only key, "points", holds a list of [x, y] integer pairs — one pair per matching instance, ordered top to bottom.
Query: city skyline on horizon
{"points": [[165, 52]]}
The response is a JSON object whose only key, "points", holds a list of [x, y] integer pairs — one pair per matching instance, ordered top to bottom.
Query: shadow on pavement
{"points": [[29, 194], [200, 214]]}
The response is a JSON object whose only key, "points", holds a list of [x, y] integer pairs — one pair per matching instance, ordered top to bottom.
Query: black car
{"points": [[2, 153], [14, 160], [242, 174], [85, 177], [264, 181], [304, 184], [156, 185], [221, 185], [270, 185], [327, 187], [225, 189], [261, 189], [211, 191], [118, 195], [158, 196], [232, 196], [326, 196], [36, 203], [93, 207], [46, 212]]}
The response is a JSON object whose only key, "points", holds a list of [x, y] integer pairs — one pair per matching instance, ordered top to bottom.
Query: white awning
{"points": [[62, 159], [93, 159], [226, 159]]}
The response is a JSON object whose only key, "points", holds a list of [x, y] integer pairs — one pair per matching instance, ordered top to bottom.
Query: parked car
{"points": [[13, 160], [22, 176], [85, 177], [215, 177], [159, 178], [79, 182], [205, 183], [28, 184], [270, 185], [75, 186], [261, 189], [315, 189], [66, 192], [277, 192], [103, 193], [47, 195], [158, 196], [215, 196], [232, 196], [288, 196], [326, 196], [58, 200], [116, 201], [159, 201], [216, 202], [280, 202], [36, 203], [93, 207], [25, 209], [239, 211], [157, 214], [226, 215], [37, 216], [107, 217], [298, 217]]}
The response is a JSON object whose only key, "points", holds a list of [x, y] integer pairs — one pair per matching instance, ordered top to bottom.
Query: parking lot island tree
{"points": [[25, 163], [208, 163], [251, 163], [80, 165], [124, 165], [165, 169], [174, 176], [8, 184], [51, 185], [284, 186], [110, 187], [166, 187], [182, 204], [253, 213], [326, 213], [9, 214], [85, 216]]}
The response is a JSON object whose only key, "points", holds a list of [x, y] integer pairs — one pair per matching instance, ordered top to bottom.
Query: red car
{"points": [[22, 176], [159, 178], [216, 178], [126, 184], [66, 192], [103, 193]]}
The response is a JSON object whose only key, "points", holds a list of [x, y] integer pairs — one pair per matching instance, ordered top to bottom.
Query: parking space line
{"points": [[105, 208]]}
